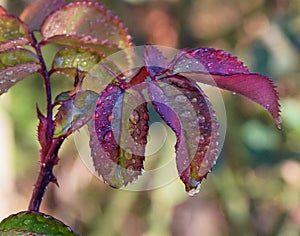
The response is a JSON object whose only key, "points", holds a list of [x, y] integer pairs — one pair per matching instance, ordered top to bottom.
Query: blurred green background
{"points": [[255, 187]]}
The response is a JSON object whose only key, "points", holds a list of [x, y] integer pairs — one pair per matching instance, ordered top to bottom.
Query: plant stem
{"points": [[46, 77], [50, 146], [45, 175]]}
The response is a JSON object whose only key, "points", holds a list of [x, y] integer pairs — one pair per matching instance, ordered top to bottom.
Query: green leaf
{"points": [[34, 14], [86, 23], [13, 32], [15, 57], [68, 59], [15, 65], [62, 97], [75, 112], [33, 223]]}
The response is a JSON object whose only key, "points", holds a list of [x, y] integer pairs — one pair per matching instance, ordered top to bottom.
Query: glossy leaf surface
{"points": [[35, 13], [86, 23], [13, 32], [16, 57], [68, 59], [15, 65], [221, 69], [172, 88], [184, 107], [75, 112], [118, 135], [33, 223]]}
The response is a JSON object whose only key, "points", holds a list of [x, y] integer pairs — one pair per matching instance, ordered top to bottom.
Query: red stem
{"points": [[46, 77], [49, 153], [45, 175]]}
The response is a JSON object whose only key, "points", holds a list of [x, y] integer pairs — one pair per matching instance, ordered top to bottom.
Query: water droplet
{"points": [[84, 63], [209, 65], [9, 73], [109, 87], [234, 93], [181, 99], [194, 100], [267, 107], [186, 114], [96, 115], [145, 116], [134, 117], [201, 119], [278, 122], [138, 131], [108, 136], [200, 139], [144, 141], [128, 155], [106, 166], [130, 170], [118, 172], [194, 191], [27, 222]]}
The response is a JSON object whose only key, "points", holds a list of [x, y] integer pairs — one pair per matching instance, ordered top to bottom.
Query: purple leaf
{"points": [[154, 60], [207, 60], [221, 69], [184, 107], [118, 135]]}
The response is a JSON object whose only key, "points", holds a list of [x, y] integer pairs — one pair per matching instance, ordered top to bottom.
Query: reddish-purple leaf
{"points": [[34, 14], [86, 23], [207, 60], [154, 61], [227, 72], [184, 107], [118, 135]]}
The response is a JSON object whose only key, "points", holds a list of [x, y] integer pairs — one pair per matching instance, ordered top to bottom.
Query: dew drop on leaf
{"points": [[181, 99], [194, 100], [186, 114], [134, 117], [201, 119], [108, 136], [194, 191]]}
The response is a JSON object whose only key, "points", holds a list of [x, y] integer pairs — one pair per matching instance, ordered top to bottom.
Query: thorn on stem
{"points": [[54, 181]]}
